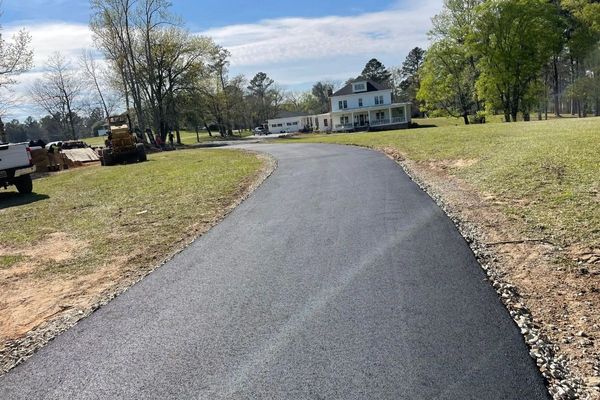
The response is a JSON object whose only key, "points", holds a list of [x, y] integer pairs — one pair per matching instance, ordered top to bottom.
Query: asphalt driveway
{"points": [[337, 279]]}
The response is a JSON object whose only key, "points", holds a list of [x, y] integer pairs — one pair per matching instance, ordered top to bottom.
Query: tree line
{"points": [[514, 57], [148, 64]]}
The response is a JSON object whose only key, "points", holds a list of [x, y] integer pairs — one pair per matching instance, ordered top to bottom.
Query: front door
{"points": [[361, 119]]}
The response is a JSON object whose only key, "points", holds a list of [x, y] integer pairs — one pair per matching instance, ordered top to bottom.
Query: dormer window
{"points": [[359, 87]]}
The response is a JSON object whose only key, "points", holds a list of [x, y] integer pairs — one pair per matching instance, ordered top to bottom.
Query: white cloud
{"points": [[48, 38], [70, 39], [330, 40]]}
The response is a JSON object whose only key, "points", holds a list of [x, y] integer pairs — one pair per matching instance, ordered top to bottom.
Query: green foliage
{"points": [[586, 11], [513, 39], [376, 71], [449, 74], [447, 80], [408, 81], [322, 91], [263, 98]]}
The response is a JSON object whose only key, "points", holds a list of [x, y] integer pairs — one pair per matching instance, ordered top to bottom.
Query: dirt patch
{"points": [[56, 246], [559, 288], [36, 306]]}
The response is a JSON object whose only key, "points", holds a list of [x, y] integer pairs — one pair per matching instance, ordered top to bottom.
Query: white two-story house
{"points": [[364, 104]]}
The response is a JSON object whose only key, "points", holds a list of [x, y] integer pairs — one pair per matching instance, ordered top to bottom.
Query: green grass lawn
{"points": [[441, 122], [187, 138], [548, 172], [138, 211], [88, 233]]}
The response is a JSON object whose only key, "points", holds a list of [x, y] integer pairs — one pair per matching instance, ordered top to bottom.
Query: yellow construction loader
{"points": [[122, 145]]}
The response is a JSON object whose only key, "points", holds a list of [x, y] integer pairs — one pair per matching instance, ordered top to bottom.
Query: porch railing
{"points": [[378, 122]]}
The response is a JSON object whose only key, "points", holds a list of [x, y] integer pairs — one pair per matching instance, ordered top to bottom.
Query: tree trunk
{"points": [[556, 86], [514, 113], [466, 118], [71, 124], [207, 128], [177, 133], [3, 137]]}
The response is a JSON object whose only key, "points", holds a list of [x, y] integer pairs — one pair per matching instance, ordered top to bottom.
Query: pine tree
{"points": [[376, 71]]}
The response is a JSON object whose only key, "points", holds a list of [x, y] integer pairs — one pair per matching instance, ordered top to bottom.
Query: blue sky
{"points": [[200, 15], [296, 43]]}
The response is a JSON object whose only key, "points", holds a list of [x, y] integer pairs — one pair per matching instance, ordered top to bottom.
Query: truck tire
{"points": [[141, 153], [24, 184]]}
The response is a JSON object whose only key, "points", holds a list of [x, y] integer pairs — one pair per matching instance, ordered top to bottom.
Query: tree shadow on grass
{"points": [[14, 199]]}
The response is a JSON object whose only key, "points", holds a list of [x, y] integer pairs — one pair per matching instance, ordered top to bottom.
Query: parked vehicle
{"points": [[259, 130], [122, 143], [16, 167]]}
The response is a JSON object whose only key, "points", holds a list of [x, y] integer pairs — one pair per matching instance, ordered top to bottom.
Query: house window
{"points": [[359, 87], [380, 99], [376, 100], [360, 103], [345, 104], [341, 105], [379, 115], [325, 122], [295, 123], [273, 125], [279, 125]]}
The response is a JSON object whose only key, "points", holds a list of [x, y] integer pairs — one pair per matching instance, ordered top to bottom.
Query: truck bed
{"points": [[13, 156]]}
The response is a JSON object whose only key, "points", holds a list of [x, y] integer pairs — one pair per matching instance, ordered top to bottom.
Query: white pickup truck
{"points": [[16, 167]]}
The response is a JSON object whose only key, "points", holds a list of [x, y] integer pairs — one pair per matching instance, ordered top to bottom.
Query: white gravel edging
{"points": [[562, 385]]}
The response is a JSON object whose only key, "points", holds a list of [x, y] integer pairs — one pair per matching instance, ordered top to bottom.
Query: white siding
{"points": [[368, 100], [288, 125], [324, 126]]}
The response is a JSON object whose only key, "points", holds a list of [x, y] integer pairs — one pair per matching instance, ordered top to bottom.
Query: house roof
{"points": [[372, 86], [290, 114]]}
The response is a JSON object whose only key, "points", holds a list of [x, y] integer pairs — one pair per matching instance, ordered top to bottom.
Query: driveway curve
{"points": [[337, 279]]}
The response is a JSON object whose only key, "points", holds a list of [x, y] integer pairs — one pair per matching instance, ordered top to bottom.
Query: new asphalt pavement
{"points": [[337, 279]]}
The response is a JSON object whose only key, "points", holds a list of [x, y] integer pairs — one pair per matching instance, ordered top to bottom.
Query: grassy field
{"points": [[442, 122], [187, 138], [548, 172], [95, 205], [85, 229]]}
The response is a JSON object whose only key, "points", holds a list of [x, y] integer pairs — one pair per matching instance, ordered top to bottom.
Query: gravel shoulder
{"points": [[555, 307]]}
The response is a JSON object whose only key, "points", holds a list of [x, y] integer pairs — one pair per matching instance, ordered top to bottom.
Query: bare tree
{"points": [[114, 31], [16, 57], [93, 74], [59, 92]]}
